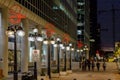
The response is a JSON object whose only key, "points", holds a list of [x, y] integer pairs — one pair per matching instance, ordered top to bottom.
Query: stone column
{"points": [[4, 41], [25, 47], [39, 47], [45, 52], [55, 54], [87, 54], [61, 55], [39, 62]]}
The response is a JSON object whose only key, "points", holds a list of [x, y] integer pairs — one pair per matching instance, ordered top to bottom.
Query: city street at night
{"points": [[59, 39]]}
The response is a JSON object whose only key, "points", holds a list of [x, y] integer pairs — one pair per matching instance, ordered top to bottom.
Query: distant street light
{"points": [[35, 36], [48, 42], [70, 45], [67, 49], [72, 50], [58, 54]]}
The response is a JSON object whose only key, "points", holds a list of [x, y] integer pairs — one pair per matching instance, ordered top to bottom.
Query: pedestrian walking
{"points": [[80, 64], [86, 64], [89, 64], [93, 65], [98, 65], [104, 65], [83, 66]]}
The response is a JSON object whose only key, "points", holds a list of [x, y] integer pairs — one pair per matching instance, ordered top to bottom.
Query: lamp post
{"points": [[13, 31], [35, 36], [49, 42], [70, 45], [72, 49], [67, 50], [86, 51], [64, 52], [58, 53], [78, 54], [81, 55], [65, 59]]}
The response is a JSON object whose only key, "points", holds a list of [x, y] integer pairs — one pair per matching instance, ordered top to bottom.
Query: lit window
{"points": [[81, 3], [55, 7], [80, 24], [79, 32]]}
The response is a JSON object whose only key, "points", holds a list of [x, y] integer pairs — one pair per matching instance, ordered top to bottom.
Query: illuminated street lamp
{"points": [[14, 31], [35, 36], [49, 42], [70, 45], [64, 48], [67, 48], [72, 49], [86, 49], [78, 50], [81, 51], [58, 54], [72, 56]]}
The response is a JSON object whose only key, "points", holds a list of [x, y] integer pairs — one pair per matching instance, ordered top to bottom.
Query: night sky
{"points": [[106, 22]]}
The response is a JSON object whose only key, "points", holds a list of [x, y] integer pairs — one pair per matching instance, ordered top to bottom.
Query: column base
{"points": [[69, 71], [63, 73], [55, 75]]}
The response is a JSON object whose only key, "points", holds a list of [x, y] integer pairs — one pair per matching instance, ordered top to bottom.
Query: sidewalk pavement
{"points": [[110, 73], [91, 76]]}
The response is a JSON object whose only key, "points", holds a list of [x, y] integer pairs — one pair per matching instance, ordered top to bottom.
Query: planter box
{"points": [[69, 71], [63, 73], [55, 75]]}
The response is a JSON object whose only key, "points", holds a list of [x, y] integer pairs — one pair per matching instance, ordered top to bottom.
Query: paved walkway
{"points": [[111, 73], [92, 76]]}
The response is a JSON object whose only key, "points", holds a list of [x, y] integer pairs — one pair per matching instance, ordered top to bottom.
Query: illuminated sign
{"points": [[36, 55]]}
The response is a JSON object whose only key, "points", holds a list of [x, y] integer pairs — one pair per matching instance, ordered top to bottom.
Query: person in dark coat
{"points": [[88, 64], [83, 65], [93, 65], [98, 65], [104, 66]]}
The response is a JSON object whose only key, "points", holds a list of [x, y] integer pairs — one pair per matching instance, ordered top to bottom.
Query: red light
{"points": [[15, 16], [79, 44]]}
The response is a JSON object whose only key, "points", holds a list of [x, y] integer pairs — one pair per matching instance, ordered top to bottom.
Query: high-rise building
{"points": [[61, 13], [80, 19], [83, 20], [83, 28], [88, 29], [94, 29]]}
